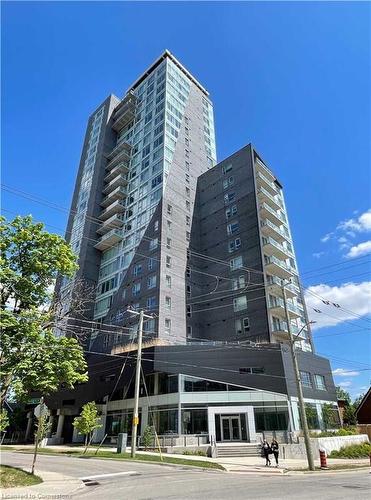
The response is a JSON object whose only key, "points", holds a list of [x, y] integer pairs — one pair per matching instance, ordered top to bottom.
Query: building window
{"points": [[227, 168], [228, 182], [188, 192], [229, 198], [188, 206], [169, 209], [231, 211], [188, 220], [169, 224], [233, 228], [188, 235], [168, 243], [153, 244], [234, 245], [168, 261], [151, 263], [236, 263], [137, 269], [188, 272], [151, 281], [168, 281], [239, 283], [135, 289], [188, 291], [151, 302], [168, 302], [240, 303], [189, 311], [242, 325], [167, 326], [189, 332], [105, 340], [252, 370], [306, 380], [319, 381]]}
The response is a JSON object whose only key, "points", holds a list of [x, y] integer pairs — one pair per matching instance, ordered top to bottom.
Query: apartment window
{"points": [[186, 141], [146, 151], [187, 165], [227, 168], [187, 178], [156, 181], [228, 182], [188, 192], [229, 198], [188, 206], [169, 209], [231, 211], [188, 220], [169, 224], [156, 225], [233, 228], [188, 235], [168, 243], [153, 244], [234, 245], [168, 261], [236, 263], [151, 264], [137, 269], [188, 272], [151, 281], [168, 281], [239, 283], [135, 290], [188, 291], [151, 302], [168, 302], [240, 303], [189, 311], [167, 326], [189, 331], [105, 340], [253, 370], [306, 380], [319, 381]]}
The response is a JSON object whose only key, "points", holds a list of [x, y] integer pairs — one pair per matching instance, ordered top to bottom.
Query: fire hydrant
{"points": [[323, 458]]}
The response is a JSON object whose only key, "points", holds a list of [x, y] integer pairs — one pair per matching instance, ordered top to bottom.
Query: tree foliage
{"points": [[32, 357], [342, 394], [4, 420], [87, 422]]}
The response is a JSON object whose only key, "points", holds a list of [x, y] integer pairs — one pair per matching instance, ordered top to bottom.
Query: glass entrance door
{"points": [[231, 428]]}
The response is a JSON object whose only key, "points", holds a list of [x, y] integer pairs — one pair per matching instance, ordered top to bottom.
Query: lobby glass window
{"points": [[306, 380], [319, 381], [167, 383], [193, 384], [271, 419], [194, 421]]}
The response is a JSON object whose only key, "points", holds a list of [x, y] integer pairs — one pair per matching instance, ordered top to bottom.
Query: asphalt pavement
{"points": [[123, 480]]}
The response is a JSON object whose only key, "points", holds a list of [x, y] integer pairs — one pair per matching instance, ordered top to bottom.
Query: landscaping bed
{"points": [[362, 450], [10, 477]]}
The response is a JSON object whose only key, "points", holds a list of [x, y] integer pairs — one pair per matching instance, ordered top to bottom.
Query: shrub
{"points": [[344, 431], [148, 437], [353, 451], [199, 453]]}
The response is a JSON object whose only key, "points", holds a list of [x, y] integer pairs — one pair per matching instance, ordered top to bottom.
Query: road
{"points": [[123, 480]]}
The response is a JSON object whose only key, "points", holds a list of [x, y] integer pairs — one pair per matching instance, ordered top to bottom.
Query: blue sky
{"points": [[292, 78]]}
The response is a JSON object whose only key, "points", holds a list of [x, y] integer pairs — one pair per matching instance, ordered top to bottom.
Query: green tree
{"points": [[32, 357], [342, 394], [349, 416], [4, 420], [87, 422], [148, 436]]}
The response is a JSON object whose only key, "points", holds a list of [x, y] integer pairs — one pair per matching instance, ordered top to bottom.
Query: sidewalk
{"points": [[231, 464], [52, 486]]}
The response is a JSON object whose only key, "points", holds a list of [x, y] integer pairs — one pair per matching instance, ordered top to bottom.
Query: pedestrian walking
{"points": [[266, 449], [275, 450]]}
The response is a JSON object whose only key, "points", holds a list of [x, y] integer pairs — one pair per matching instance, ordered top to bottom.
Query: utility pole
{"points": [[137, 382], [298, 382]]}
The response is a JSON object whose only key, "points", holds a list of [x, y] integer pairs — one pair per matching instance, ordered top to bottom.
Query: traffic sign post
{"points": [[40, 412]]}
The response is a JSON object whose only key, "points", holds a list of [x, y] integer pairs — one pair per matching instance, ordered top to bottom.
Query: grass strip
{"points": [[10, 477]]}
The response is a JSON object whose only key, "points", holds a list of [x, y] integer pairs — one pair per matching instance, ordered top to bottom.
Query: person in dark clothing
{"points": [[275, 450], [266, 451]]}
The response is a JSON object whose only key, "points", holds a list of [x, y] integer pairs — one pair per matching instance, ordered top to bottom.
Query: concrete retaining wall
{"points": [[329, 443]]}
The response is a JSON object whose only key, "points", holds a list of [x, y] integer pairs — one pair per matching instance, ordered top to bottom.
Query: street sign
{"points": [[41, 410]]}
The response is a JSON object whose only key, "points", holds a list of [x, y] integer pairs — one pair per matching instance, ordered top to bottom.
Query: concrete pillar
{"points": [[295, 416], [320, 416], [144, 418], [179, 418], [251, 424], [29, 426], [60, 426]]}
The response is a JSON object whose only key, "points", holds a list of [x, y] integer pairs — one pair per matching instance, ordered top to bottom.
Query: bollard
{"points": [[323, 458]]}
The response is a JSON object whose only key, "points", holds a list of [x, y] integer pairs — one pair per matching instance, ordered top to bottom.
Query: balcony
{"points": [[124, 113], [121, 147], [260, 167], [121, 168], [119, 180], [267, 184], [117, 194], [273, 201], [116, 208], [271, 214], [113, 222], [271, 230], [109, 240], [272, 247], [277, 267], [274, 285], [277, 307], [281, 331]]}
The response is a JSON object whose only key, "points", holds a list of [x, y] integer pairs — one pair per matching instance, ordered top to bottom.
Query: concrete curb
{"points": [[52, 485]]}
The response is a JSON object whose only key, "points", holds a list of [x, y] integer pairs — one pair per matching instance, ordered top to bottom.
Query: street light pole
{"points": [[298, 381]]}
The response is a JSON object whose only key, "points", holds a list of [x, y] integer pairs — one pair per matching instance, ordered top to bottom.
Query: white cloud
{"points": [[359, 225], [326, 237], [360, 249], [318, 255], [354, 297], [341, 372], [346, 383]]}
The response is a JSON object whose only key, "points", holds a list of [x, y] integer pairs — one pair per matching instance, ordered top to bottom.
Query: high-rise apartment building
{"points": [[207, 249]]}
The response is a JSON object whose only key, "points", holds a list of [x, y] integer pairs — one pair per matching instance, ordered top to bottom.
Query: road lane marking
{"points": [[113, 474]]}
